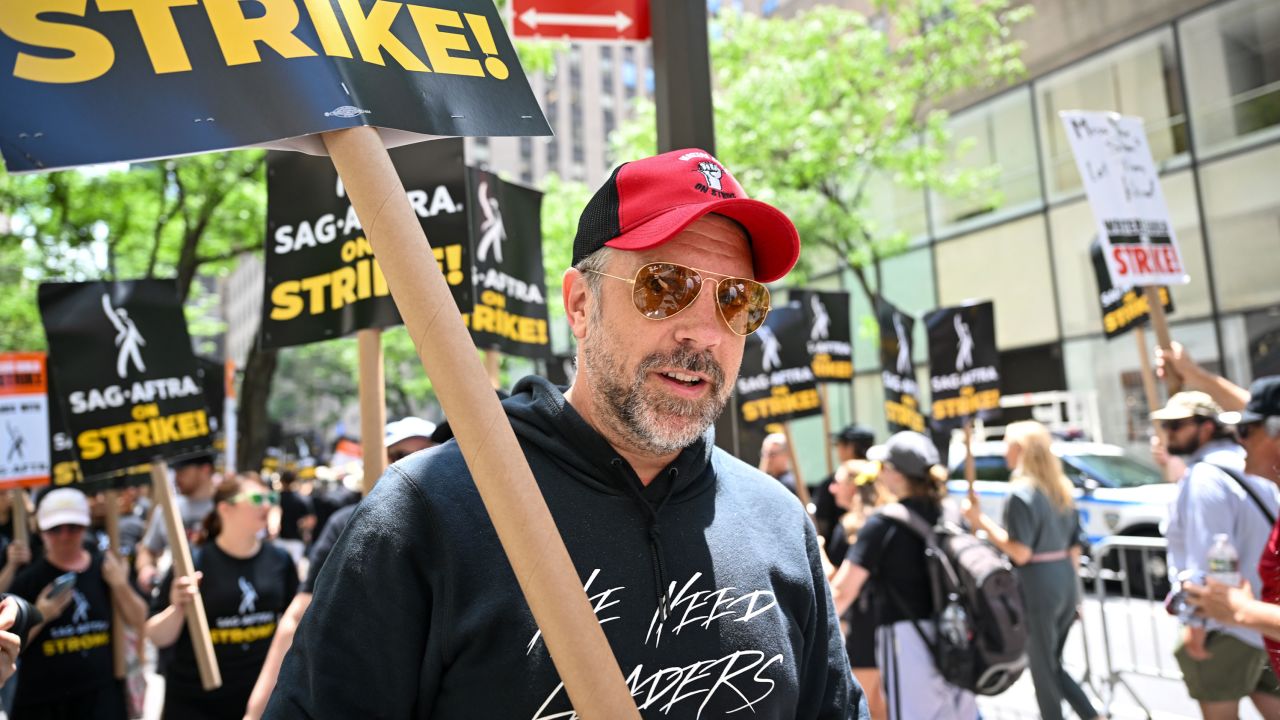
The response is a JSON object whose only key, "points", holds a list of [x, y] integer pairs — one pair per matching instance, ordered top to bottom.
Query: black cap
{"points": [[1264, 402], [855, 434], [201, 459]]}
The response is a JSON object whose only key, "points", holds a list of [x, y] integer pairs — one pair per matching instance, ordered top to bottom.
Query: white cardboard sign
{"points": [[1123, 187]]}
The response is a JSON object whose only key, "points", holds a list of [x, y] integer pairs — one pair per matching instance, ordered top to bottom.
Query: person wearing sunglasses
{"points": [[704, 572], [245, 583], [1221, 664], [68, 670]]}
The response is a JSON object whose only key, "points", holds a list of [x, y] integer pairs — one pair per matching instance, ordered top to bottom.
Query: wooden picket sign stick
{"points": [[1160, 322], [493, 367], [1148, 374], [373, 406], [826, 428], [970, 465], [802, 490], [19, 516], [528, 534], [197, 621], [119, 642]]}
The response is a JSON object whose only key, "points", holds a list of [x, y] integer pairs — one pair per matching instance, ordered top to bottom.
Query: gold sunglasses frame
{"points": [[719, 308]]}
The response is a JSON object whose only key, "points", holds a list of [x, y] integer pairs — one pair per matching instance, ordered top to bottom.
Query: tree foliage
{"points": [[813, 112]]}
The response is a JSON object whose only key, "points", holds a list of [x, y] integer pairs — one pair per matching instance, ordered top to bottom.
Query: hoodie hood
{"points": [[541, 416]]}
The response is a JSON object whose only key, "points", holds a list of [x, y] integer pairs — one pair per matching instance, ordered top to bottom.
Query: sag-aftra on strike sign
{"points": [[170, 77]]}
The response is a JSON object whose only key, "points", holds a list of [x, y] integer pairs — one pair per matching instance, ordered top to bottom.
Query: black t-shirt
{"points": [[330, 500], [293, 507], [826, 513], [324, 545], [894, 555], [243, 599], [72, 654]]}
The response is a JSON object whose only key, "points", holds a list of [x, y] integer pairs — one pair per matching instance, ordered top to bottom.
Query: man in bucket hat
{"points": [[704, 573]]}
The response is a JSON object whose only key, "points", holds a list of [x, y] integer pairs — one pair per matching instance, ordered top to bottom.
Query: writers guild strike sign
{"points": [[208, 76], [1123, 187], [321, 279], [1126, 308], [510, 311], [830, 336], [964, 366], [127, 379], [776, 383], [901, 393], [24, 420]]}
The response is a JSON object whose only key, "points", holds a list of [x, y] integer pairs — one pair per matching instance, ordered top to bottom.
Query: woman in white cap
{"points": [[1041, 536], [893, 556], [245, 584], [68, 670]]}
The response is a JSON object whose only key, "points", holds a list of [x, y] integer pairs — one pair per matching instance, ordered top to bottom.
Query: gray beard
{"points": [[647, 420]]}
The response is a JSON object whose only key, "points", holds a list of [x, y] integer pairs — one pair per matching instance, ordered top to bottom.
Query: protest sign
{"points": [[109, 82], [1123, 187], [322, 280], [1123, 308], [510, 312], [830, 342], [964, 365], [562, 370], [897, 372], [126, 377], [776, 382], [24, 420]]}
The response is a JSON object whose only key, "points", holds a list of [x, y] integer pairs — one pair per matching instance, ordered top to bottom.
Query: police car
{"points": [[1115, 494]]}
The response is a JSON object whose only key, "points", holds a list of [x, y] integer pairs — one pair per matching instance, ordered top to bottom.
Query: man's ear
{"points": [[577, 300]]}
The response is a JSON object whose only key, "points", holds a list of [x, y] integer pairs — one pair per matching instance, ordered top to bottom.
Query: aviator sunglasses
{"points": [[662, 289]]}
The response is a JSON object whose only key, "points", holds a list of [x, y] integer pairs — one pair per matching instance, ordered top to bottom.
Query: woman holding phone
{"points": [[245, 584], [68, 671]]}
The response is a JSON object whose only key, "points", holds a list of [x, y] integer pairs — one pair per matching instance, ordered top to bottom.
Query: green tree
{"points": [[814, 111]]}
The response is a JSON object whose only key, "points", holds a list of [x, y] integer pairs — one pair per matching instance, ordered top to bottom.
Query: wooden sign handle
{"points": [[1160, 322], [373, 406], [826, 429], [970, 465], [802, 490], [19, 516], [528, 534], [197, 621], [119, 643]]}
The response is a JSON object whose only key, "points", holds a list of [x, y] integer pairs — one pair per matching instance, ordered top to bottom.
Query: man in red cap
{"points": [[704, 572]]}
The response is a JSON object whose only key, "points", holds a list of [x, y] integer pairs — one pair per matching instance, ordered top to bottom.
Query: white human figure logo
{"points": [[712, 172], [492, 230], [821, 320], [128, 339], [904, 346], [771, 347], [964, 355], [248, 597], [81, 614]]}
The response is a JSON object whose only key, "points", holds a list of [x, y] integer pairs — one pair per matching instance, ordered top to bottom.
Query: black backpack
{"points": [[981, 638]]}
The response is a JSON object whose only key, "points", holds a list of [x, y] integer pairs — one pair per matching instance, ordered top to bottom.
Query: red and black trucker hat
{"points": [[647, 202]]}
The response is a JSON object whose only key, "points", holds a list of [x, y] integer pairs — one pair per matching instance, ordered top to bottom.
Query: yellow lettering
{"points": [[327, 28], [159, 32], [372, 33], [239, 36], [438, 43], [91, 52], [316, 285], [343, 289], [285, 303], [136, 435], [91, 447]]}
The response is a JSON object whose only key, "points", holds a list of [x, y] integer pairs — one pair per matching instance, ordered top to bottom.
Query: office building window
{"points": [[1231, 53], [1138, 78], [998, 134], [1242, 211], [908, 284]]}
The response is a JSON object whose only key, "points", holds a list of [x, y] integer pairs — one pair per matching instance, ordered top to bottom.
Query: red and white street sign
{"points": [[580, 19]]}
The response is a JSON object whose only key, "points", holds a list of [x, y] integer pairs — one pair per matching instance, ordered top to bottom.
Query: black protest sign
{"points": [[95, 82], [322, 280], [1123, 309], [510, 311], [830, 342], [964, 366], [562, 370], [127, 379], [776, 382], [214, 383], [901, 393], [62, 450]]}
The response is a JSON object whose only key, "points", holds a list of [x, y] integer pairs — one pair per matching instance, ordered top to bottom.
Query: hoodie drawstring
{"points": [[655, 534]]}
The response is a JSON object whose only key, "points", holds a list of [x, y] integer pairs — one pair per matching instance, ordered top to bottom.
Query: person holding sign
{"points": [[193, 476], [245, 585], [418, 613], [68, 671]]}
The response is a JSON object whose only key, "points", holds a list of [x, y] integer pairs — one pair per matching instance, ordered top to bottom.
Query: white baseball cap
{"points": [[407, 428], [64, 506]]}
